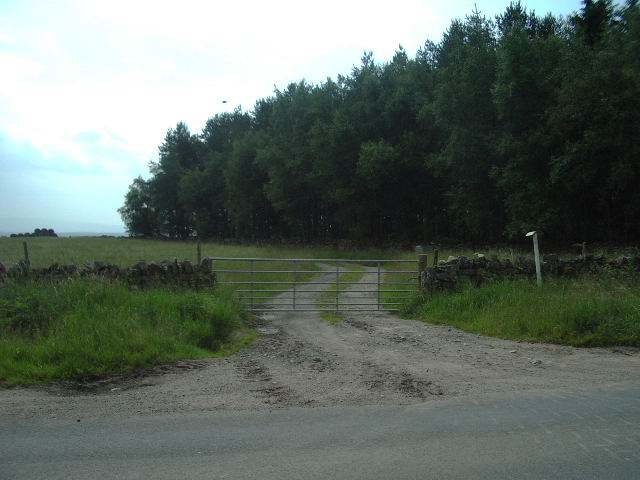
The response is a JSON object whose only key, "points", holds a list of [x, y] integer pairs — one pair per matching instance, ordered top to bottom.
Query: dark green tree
{"points": [[525, 89], [465, 112], [178, 154], [138, 212]]}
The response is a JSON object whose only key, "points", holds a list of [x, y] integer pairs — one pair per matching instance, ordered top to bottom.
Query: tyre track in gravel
{"points": [[370, 358]]}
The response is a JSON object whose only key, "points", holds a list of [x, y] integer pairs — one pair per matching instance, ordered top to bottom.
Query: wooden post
{"points": [[199, 248], [584, 251], [26, 253], [536, 254], [435, 257], [422, 266]]}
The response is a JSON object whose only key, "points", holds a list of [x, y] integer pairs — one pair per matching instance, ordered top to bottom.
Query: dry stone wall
{"points": [[481, 269], [142, 274]]}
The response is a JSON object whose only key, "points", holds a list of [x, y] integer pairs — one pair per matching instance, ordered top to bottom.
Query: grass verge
{"points": [[578, 312], [83, 328]]}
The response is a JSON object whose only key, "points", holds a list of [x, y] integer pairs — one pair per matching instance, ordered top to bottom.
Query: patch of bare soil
{"points": [[370, 358]]}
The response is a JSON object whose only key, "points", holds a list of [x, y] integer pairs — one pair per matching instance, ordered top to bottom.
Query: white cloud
{"points": [[128, 71]]}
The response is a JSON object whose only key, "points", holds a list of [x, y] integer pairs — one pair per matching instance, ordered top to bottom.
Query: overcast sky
{"points": [[88, 89]]}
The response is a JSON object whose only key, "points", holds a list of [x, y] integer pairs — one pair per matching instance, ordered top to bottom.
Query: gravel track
{"points": [[371, 358]]}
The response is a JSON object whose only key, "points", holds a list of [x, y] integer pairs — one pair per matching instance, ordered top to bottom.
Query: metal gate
{"points": [[288, 284]]}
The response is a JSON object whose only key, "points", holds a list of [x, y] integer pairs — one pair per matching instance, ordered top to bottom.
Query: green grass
{"points": [[387, 295], [327, 298], [580, 312], [333, 318], [81, 328]]}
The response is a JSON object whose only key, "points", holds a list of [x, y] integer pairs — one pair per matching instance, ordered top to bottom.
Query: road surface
{"points": [[587, 434]]}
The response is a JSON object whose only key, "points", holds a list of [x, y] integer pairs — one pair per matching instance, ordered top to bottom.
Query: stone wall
{"points": [[482, 269], [142, 274]]}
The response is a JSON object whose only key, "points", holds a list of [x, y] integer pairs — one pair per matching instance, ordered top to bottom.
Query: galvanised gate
{"points": [[289, 284]]}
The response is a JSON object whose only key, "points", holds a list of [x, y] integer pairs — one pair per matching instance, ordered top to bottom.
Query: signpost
{"points": [[536, 254]]}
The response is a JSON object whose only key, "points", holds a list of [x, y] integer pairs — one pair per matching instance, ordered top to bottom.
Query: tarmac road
{"points": [[591, 433]]}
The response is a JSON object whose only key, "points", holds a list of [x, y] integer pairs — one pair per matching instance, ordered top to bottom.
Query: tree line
{"points": [[507, 124], [38, 232]]}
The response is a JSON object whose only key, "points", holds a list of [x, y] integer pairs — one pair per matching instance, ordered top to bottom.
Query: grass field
{"points": [[126, 251], [579, 312]]}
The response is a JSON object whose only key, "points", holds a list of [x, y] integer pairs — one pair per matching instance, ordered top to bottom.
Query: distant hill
{"points": [[65, 228], [92, 234]]}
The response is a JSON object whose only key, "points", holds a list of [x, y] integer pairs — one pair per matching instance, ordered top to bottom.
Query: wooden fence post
{"points": [[199, 248], [26, 253], [435, 257], [422, 265]]}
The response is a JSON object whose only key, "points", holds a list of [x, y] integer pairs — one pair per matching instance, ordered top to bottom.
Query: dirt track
{"points": [[371, 358]]}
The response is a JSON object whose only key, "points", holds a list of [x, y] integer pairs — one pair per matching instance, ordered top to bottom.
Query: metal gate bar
{"points": [[311, 260], [313, 283], [282, 290], [293, 298]]}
